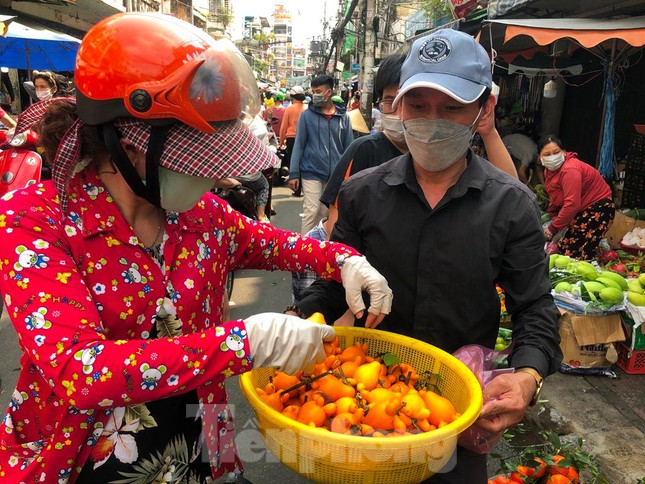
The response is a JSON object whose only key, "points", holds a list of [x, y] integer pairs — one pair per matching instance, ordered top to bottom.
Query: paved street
{"points": [[609, 414]]}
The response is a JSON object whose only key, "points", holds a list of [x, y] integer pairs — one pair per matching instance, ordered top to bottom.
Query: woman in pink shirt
{"points": [[579, 200]]}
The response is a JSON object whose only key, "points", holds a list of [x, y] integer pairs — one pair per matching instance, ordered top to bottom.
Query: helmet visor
{"points": [[211, 86]]}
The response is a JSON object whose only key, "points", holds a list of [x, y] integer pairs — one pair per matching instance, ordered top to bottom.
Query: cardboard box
{"points": [[619, 227], [586, 340]]}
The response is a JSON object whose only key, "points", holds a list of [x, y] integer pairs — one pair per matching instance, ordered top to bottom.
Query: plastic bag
{"points": [[484, 363]]}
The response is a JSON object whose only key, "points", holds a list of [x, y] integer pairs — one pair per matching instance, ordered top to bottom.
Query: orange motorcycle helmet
{"points": [[159, 69]]}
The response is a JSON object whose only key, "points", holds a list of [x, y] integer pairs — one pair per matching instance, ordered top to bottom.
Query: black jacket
{"points": [[443, 263]]}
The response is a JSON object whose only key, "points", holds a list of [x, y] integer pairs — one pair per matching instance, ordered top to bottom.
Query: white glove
{"points": [[357, 274], [287, 343]]}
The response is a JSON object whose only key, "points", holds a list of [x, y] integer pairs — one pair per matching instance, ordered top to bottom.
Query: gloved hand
{"points": [[548, 233], [357, 274], [287, 343]]}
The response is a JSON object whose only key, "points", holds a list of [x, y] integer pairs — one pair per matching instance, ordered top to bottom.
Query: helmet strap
{"points": [[158, 135], [150, 190]]}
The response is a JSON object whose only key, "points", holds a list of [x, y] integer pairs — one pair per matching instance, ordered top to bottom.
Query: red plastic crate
{"points": [[634, 364]]}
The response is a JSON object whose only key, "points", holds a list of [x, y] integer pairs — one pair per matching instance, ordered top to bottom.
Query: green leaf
{"points": [[389, 359], [141, 412], [584, 458], [152, 468]]}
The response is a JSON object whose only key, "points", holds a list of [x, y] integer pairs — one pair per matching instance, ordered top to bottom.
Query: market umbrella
{"points": [[611, 40], [35, 47]]}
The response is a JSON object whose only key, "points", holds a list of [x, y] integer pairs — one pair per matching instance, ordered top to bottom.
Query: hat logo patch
{"points": [[434, 50]]}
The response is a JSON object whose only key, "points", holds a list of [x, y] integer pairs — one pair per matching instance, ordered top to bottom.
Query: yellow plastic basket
{"points": [[323, 456]]}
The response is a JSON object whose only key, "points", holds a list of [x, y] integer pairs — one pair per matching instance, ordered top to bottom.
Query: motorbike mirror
{"points": [[18, 140]]}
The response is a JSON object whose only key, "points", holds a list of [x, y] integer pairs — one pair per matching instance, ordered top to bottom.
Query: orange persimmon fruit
{"points": [[355, 353], [367, 375], [442, 411], [312, 414]]}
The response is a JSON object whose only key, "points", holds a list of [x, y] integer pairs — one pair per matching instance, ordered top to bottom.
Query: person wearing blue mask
{"points": [[323, 133], [445, 226]]}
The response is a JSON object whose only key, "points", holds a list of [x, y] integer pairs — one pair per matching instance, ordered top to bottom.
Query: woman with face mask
{"points": [[48, 85], [579, 200], [114, 271]]}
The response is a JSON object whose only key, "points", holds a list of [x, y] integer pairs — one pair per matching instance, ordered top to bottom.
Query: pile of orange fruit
{"points": [[356, 394], [552, 470]]}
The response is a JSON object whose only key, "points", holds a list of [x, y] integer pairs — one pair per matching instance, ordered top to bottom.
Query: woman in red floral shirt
{"points": [[579, 200], [113, 272]]}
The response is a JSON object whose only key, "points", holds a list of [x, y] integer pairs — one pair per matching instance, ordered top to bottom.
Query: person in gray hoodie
{"points": [[324, 132]]}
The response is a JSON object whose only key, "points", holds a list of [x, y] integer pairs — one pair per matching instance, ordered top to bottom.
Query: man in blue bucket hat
{"points": [[445, 226]]}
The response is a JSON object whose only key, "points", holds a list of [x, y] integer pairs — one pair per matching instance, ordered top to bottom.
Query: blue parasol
{"points": [[35, 47]]}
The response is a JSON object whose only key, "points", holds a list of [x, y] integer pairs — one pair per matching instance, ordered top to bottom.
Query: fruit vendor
{"points": [[579, 200], [445, 226], [113, 272]]}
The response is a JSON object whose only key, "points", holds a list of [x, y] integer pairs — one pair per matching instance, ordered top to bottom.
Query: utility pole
{"points": [[367, 81]]}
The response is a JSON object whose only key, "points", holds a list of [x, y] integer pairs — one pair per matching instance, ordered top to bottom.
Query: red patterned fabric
{"points": [[35, 112], [83, 295]]}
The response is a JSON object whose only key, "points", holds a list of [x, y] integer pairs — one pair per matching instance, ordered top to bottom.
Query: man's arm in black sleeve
{"points": [[525, 280], [328, 297]]}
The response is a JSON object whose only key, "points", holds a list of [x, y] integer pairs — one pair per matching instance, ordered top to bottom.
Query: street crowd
{"points": [[114, 270]]}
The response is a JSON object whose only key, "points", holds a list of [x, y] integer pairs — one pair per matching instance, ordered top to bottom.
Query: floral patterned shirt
{"points": [[105, 329]]}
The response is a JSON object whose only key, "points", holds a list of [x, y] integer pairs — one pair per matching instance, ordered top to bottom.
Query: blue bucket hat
{"points": [[449, 61]]}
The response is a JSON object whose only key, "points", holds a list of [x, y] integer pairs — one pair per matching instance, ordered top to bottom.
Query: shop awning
{"points": [[498, 9], [78, 15], [514, 37]]}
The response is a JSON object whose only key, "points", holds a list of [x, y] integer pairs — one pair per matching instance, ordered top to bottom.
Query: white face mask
{"points": [[42, 95], [393, 127], [436, 144], [552, 162], [180, 192]]}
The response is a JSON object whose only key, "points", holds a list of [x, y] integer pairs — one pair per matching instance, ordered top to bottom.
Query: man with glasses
{"points": [[377, 148], [374, 149], [444, 227]]}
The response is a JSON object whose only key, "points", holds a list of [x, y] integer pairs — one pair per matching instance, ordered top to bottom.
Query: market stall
{"points": [[562, 43]]}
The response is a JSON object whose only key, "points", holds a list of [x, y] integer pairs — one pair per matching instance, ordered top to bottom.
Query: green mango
{"points": [[552, 259], [563, 261], [582, 266], [586, 270], [591, 276], [615, 277], [641, 279], [608, 282], [593, 286], [635, 286], [562, 287], [611, 295], [635, 298]]}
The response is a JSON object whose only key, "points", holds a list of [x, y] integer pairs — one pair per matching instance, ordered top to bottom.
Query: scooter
{"points": [[20, 163]]}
